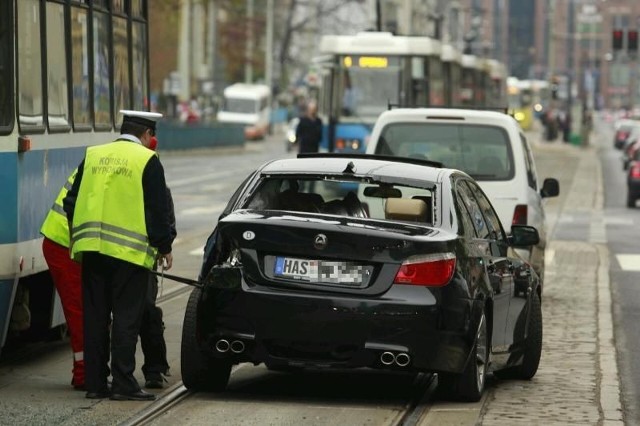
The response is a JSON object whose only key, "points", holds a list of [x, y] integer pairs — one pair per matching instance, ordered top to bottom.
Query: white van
{"points": [[248, 104], [489, 146]]}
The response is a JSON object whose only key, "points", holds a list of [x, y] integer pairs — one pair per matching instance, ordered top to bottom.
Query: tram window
{"points": [[103, 4], [118, 6], [137, 9], [29, 64], [6, 66], [80, 68], [121, 85], [101, 86], [140, 86], [57, 98]]}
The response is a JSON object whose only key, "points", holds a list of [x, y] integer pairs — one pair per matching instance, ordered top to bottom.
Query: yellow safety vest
{"points": [[109, 214], [55, 226]]}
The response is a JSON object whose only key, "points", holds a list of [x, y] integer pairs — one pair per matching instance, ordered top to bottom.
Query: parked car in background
{"points": [[622, 131], [490, 146], [631, 146], [633, 180], [412, 276]]}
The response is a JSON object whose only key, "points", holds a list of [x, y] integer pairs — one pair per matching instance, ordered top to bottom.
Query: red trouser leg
{"points": [[66, 276]]}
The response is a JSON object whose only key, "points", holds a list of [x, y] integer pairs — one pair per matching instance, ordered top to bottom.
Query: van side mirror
{"points": [[550, 188], [523, 236]]}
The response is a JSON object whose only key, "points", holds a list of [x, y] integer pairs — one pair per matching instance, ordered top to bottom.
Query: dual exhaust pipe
{"points": [[235, 346], [401, 359]]}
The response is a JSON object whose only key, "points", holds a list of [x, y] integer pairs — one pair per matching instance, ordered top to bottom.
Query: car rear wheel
{"points": [[199, 372], [469, 385]]}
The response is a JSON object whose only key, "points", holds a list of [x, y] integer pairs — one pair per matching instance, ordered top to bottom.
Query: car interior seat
{"points": [[406, 209]]}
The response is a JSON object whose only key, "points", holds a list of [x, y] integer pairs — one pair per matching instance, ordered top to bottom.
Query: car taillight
{"points": [[340, 144], [634, 170], [520, 215], [432, 270]]}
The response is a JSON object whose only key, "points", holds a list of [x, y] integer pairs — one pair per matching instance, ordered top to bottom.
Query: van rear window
{"points": [[483, 152]]}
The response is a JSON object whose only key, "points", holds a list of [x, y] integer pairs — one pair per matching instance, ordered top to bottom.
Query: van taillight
{"points": [[634, 171], [520, 215], [432, 270]]}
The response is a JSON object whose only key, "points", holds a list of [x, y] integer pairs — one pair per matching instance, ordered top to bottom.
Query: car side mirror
{"points": [[550, 188], [523, 236]]}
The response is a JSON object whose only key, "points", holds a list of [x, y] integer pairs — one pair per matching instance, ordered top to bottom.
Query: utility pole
{"points": [[268, 51], [248, 61]]}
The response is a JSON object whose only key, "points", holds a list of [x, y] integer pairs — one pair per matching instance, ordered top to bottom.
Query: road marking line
{"points": [[215, 208], [197, 252], [629, 262]]}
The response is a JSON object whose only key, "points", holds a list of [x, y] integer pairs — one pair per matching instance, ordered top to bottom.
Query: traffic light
{"points": [[617, 39], [632, 41]]}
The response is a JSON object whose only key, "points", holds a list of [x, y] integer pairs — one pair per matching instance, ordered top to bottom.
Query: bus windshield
{"points": [[366, 92], [243, 106]]}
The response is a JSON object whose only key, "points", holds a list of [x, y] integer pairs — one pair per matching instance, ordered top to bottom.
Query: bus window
{"points": [[139, 41], [29, 65], [80, 68], [6, 69], [101, 84], [121, 88], [57, 99]]}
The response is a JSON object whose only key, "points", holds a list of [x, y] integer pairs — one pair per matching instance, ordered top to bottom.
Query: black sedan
{"points": [[348, 261]]}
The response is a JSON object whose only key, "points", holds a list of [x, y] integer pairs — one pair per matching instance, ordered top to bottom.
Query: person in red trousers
{"points": [[66, 275]]}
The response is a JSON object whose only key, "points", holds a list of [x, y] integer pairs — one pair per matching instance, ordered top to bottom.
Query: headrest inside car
{"points": [[405, 209]]}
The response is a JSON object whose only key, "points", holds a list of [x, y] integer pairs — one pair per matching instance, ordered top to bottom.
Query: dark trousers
{"points": [[112, 287], [152, 335]]}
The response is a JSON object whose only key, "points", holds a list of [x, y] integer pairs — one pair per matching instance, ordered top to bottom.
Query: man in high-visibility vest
{"points": [[119, 216], [66, 277]]}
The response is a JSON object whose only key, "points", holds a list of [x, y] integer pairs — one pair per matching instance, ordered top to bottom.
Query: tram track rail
{"points": [[411, 414]]}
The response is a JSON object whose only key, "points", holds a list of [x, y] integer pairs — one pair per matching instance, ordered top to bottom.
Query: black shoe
{"points": [[153, 384], [98, 395], [135, 396]]}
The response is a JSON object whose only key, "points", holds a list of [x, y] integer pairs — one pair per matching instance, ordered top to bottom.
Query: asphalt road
{"points": [[623, 239]]}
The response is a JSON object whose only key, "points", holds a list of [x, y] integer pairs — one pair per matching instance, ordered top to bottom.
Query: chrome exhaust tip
{"points": [[222, 345], [237, 346], [387, 358], [403, 359]]}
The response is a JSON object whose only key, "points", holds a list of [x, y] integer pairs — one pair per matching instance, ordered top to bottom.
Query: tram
{"points": [[364, 74], [64, 78]]}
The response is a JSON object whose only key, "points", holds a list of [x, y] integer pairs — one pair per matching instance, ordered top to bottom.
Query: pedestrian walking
{"points": [[309, 130], [119, 216], [65, 274], [154, 347]]}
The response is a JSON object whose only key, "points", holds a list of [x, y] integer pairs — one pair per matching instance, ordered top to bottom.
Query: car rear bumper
{"points": [[285, 328]]}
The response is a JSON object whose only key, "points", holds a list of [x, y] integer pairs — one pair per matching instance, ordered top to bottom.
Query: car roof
{"points": [[446, 114], [338, 164]]}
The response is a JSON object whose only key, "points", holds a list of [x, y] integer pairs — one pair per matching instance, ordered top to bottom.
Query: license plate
{"points": [[320, 271]]}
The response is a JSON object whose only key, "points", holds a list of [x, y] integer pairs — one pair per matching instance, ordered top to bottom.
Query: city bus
{"points": [[67, 68], [364, 74], [250, 105]]}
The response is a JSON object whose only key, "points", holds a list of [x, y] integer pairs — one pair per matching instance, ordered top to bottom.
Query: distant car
{"points": [[622, 132], [291, 142], [490, 146], [630, 148], [633, 180], [412, 276]]}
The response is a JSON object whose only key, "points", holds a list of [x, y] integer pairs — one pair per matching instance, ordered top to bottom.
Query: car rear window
{"points": [[482, 151], [328, 195]]}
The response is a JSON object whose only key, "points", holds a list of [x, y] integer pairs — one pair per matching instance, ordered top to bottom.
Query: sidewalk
{"points": [[577, 381]]}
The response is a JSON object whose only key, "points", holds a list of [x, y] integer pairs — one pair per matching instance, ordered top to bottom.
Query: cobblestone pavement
{"points": [[577, 382]]}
